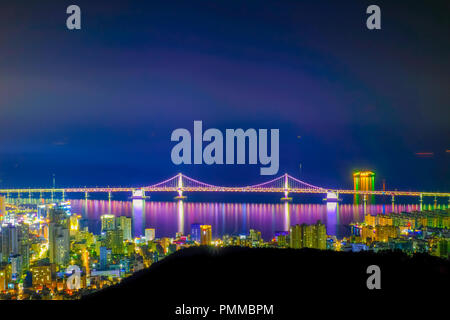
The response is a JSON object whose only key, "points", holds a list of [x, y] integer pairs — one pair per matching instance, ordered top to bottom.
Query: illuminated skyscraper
{"points": [[364, 181], [2, 208], [124, 223], [74, 224], [195, 232], [149, 234], [206, 234], [58, 236], [308, 236], [320, 236], [114, 241], [296, 241], [10, 243], [58, 244], [24, 245], [103, 258], [16, 266], [3, 278]]}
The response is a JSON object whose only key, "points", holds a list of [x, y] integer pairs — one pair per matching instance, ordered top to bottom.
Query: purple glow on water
{"points": [[229, 218]]}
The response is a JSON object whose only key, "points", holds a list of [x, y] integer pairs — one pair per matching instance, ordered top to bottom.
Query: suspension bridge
{"points": [[285, 185]]}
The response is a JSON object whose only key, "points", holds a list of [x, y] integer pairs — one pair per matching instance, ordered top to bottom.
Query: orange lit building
{"points": [[2, 208], [205, 234], [41, 275]]}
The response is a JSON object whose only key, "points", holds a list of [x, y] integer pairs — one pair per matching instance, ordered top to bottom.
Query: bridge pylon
{"points": [[180, 195], [286, 197]]}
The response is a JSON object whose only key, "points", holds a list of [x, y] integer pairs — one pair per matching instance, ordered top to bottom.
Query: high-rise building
{"points": [[363, 181], [2, 207], [58, 216], [124, 223], [74, 224], [196, 232], [149, 234], [206, 234], [308, 236], [296, 238], [320, 238], [114, 241], [10, 242], [58, 244], [24, 245], [103, 258], [16, 266], [3, 278]]}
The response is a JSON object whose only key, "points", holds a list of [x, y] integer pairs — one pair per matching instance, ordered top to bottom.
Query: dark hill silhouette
{"points": [[289, 279]]}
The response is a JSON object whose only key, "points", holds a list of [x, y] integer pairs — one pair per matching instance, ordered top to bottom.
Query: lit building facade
{"points": [[364, 181], [195, 232], [149, 234], [206, 234], [308, 236]]}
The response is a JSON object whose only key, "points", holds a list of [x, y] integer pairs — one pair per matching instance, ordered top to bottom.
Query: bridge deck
{"points": [[181, 183], [224, 189]]}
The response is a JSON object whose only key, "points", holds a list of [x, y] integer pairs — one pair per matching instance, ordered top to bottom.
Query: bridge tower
{"points": [[180, 188], [63, 195], [286, 197]]}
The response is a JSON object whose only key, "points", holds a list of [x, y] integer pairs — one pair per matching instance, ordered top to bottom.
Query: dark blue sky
{"points": [[97, 106]]}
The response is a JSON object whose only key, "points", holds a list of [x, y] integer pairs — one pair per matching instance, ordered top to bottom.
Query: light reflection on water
{"points": [[168, 218]]}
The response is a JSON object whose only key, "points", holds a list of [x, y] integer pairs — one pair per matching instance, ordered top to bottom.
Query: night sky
{"points": [[97, 106]]}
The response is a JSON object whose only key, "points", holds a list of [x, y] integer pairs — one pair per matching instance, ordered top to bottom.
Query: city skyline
{"points": [[213, 158], [54, 251]]}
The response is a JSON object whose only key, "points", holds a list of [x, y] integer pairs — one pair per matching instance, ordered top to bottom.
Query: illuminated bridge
{"points": [[180, 183]]}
